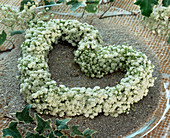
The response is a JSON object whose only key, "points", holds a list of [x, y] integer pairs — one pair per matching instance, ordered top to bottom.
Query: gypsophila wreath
{"points": [[94, 59]]}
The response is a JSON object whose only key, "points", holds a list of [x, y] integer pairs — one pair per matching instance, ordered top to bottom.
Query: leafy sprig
{"points": [[46, 2], [166, 3], [75, 4], [92, 6], [146, 6], [3, 36], [42, 126], [12, 130]]}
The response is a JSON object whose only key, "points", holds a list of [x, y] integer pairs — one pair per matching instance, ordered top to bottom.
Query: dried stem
{"points": [[83, 13], [132, 14], [101, 16], [5, 116], [11, 118], [67, 134]]}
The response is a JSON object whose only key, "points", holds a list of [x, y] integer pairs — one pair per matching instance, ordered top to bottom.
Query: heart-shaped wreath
{"points": [[95, 60]]}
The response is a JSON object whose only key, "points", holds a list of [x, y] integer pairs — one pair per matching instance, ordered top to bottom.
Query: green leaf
{"points": [[61, 1], [24, 2], [46, 2], [52, 2], [71, 2], [93, 2], [49, 3], [166, 3], [75, 4], [146, 6], [92, 7], [17, 32], [3, 37], [168, 41], [24, 115], [42, 124], [62, 124], [12, 130], [75, 131], [58, 133], [87, 133], [32, 135], [51, 135]]}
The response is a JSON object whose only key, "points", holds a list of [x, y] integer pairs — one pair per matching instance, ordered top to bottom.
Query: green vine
{"points": [[44, 128]]}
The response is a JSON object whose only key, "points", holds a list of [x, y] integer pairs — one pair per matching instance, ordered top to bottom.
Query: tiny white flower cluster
{"points": [[12, 17], [159, 21], [94, 60]]}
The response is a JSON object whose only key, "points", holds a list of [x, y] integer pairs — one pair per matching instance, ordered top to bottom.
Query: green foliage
{"points": [[61, 1], [24, 2], [93, 2], [49, 3], [166, 3], [75, 4], [92, 6], [146, 6], [17, 32], [3, 37], [24, 115], [42, 124], [62, 124], [12, 130], [76, 132], [58, 133], [87, 133], [32, 135], [51, 135]]}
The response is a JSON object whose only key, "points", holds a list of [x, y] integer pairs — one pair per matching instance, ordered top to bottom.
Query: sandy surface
{"points": [[64, 71]]}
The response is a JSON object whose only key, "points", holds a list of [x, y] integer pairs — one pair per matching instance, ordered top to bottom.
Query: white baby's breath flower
{"points": [[94, 60]]}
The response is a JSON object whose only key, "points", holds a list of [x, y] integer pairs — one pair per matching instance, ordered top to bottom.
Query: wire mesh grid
{"points": [[158, 45]]}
